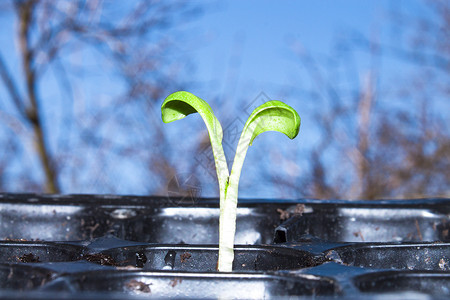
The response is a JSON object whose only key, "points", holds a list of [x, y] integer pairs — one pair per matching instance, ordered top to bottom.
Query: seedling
{"points": [[270, 116]]}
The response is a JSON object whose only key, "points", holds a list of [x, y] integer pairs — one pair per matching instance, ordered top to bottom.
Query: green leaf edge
{"points": [[180, 104], [268, 108]]}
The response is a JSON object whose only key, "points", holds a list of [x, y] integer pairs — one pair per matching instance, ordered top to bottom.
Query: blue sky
{"points": [[260, 33], [243, 48], [237, 49]]}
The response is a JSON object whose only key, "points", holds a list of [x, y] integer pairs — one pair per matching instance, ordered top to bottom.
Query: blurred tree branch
{"points": [[25, 12], [130, 36], [11, 86], [377, 149]]}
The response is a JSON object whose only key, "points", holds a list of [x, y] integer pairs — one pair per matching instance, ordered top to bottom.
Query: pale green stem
{"points": [[222, 172], [222, 177], [227, 219]]}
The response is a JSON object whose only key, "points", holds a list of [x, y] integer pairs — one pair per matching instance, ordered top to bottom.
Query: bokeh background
{"points": [[82, 82]]}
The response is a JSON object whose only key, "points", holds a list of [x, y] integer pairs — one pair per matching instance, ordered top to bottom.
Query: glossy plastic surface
{"points": [[109, 247]]}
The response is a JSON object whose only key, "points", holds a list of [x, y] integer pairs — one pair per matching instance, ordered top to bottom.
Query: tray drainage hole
{"points": [[280, 236], [141, 259], [169, 260]]}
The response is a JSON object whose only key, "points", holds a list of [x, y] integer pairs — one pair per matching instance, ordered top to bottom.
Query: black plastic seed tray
{"points": [[111, 247]]}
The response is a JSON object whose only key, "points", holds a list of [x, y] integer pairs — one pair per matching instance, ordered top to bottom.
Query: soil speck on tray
{"points": [[298, 210], [284, 214], [359, 233], [15, 240], [185, 256], [28, 258], [102, 259], [444, 265], [175, 281], [138, 286]]}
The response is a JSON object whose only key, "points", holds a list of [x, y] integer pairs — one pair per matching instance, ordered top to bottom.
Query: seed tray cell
{"points": [[369, 224], [115, 247], [29, 252], [423, 256], [204, 257], [22, 278], [427, 283], [200, 285]]}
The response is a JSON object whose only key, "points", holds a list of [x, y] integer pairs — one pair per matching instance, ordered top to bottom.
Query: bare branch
{"points": [[25, 12], [11, 87]]}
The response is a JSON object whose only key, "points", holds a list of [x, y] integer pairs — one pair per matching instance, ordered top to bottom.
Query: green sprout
{"points": [[270, 116]]}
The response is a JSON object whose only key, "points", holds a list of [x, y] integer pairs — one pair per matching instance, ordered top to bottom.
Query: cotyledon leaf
{"points": [[180, 104], [271, 116]]}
